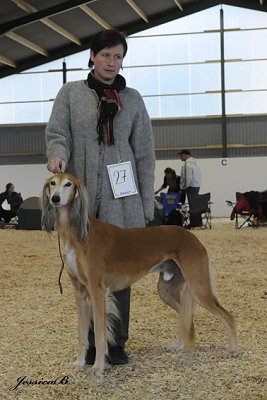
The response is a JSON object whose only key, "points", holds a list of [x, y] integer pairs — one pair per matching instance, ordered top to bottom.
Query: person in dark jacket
{"points": [[171, 180], [10, 202]]}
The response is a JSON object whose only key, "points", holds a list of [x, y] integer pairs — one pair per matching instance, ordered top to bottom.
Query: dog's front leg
{"points": [[84, 310], [99, 311]]}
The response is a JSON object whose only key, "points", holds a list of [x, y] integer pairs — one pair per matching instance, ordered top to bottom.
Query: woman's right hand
{"points": [[56, 165]]}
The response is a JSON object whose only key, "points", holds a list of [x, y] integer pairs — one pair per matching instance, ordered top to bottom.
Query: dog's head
{"points": [[60, 189], [64, 190]]}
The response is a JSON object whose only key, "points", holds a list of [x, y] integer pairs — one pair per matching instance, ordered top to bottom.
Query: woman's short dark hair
{"points": [[107, 38], [169, 170], [8, 186]]}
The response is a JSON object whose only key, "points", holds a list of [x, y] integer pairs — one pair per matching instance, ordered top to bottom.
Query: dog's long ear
{"points": [[48, 211], [80, 211]]}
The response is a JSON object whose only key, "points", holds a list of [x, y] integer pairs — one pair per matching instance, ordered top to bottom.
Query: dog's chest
{"points": [[71, 263]]}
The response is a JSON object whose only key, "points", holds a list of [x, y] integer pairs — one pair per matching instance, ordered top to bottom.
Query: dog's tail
{"points": [[113, 316]]}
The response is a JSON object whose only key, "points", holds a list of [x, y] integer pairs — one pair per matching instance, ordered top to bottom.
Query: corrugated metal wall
{"points": [[251, 132], [193, 134], [246, 136], [22, 144]]}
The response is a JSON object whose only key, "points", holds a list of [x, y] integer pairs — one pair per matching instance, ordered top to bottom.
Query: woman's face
{"points": [[107, 63]]}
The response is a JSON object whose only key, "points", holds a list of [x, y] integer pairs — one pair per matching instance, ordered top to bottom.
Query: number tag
{"points": [[122, 179]]}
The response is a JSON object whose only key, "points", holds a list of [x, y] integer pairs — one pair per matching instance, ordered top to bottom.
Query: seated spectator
{"points": [[171, 180], [10, 202]]}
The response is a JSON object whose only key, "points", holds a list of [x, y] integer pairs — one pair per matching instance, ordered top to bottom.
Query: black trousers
{"points": [[7, 215], [195, 218], [122, 326]]}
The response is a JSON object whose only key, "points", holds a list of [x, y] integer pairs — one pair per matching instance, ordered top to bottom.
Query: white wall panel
{"points": [[239, 175]]}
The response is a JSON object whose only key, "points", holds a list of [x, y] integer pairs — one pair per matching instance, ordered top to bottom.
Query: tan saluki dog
{"points": [[103, 258]]}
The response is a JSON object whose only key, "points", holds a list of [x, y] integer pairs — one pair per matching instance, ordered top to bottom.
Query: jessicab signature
{"points": [[24, 380]]}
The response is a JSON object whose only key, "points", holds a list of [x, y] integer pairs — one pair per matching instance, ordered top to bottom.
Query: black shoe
{"points": [[90, 356], [117, 356]]}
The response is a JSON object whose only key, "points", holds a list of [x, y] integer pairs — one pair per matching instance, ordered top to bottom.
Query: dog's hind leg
{"points": [[169, 285], [201, 288], [175, 293], [211, 304], [84, 311], [187, 329]]}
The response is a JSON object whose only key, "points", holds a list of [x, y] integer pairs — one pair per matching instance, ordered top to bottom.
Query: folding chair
{"points": [[170, 202], [200, 206], [242, 209]]}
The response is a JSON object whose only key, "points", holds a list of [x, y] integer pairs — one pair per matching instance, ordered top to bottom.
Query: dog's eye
{"points": [[52, 183], [68, 184]]}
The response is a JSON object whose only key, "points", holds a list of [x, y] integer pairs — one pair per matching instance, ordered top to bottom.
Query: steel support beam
{"points": [[224, 126]]}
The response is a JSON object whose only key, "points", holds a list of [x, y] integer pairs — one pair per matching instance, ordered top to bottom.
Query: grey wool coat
{"points": [[71, 135]]}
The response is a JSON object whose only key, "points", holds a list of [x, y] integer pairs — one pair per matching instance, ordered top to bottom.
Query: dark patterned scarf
{"points": [[110, 103]]}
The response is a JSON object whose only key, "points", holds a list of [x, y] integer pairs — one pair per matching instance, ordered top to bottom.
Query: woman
{"points": [[99, 122], [171, 180], [10, 202]]}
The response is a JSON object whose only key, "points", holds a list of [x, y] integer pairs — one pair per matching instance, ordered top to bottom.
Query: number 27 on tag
{"points": [[122, 179]]}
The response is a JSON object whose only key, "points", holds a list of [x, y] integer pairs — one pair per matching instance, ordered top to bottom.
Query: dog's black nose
{"points": [[55, 199]]}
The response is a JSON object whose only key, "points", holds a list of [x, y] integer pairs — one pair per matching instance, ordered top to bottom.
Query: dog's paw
{"points": [[178, 346], [234, 354], [78, 364], [97, 372]]}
